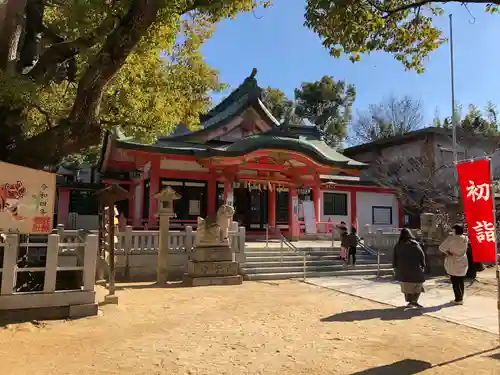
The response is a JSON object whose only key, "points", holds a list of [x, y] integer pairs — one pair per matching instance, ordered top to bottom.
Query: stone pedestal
{"points": [[434, 259], [212, 265]]}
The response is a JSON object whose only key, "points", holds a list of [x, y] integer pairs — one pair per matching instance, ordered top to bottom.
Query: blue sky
{"points": [[286, 53]]}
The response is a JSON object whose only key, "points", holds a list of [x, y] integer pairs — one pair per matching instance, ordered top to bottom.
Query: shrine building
{"points": [[242, 155]]}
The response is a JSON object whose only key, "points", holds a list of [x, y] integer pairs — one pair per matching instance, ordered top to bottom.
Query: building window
{"points": [[447, 156], [83, 202], [335, 204], [381, 215]]}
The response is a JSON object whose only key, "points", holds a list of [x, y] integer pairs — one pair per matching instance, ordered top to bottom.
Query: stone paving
{"points": [[478, 312]]}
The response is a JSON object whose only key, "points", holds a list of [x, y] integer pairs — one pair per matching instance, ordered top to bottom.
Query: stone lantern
{"points": [[166, 198]]}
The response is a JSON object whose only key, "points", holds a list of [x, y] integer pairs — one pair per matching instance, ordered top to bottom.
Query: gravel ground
{"points": [[485, 284], [258, 328]]}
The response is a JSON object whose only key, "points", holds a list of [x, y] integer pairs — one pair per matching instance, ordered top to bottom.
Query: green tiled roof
{"points": [[305, 140], [313, 147]]}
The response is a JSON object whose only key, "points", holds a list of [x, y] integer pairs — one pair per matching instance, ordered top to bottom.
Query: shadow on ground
{"points": [[150, 285], [398, 313], [495, 356], [404, 367]]}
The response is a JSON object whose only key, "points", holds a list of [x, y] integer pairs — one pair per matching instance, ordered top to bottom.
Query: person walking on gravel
{"points": [[456, 263], [409, 267]]}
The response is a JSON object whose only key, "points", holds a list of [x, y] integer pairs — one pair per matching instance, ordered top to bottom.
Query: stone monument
{"points": [[432, 236], [212, 259]]}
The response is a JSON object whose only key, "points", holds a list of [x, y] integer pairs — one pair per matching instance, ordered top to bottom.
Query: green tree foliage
{"points": [[404, 28], [71, 69], [277, 102], [327, 104], [393, 116], [475, 121]]}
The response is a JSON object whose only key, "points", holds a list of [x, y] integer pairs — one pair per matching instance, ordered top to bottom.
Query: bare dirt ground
{"points": [[257, 328]]}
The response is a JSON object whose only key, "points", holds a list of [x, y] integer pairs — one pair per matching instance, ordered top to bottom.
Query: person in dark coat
{"points": [[352, 244], [409, 267]]}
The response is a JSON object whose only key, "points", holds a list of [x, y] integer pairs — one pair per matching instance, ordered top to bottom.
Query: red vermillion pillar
{"points": [[154, 188], [211, 196], [317, 202], [131, 204], [141, 204], [63, 206], [271, 206], [293, 214], [401, 214], [354, 216]]}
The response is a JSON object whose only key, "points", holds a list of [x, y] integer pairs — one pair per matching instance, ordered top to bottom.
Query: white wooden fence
{"points": [[384, 240], [147, 241], [136, 250], [47, 295]]}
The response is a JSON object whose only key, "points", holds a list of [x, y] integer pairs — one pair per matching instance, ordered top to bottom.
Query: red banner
{"points": [[475, 183]]}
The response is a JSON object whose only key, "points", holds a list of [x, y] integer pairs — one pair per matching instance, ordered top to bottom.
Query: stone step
{"points": [[285, 248], [316, 254], [296, 257], [291, 263], [330, 268], [296, 275]]}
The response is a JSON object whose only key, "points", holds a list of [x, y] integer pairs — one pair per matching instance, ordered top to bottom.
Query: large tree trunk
{"points": [[11, 23], [82, 128]]}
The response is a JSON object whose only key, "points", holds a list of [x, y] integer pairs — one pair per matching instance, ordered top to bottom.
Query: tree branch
{"points": [[420, 3], [118, 45], [59, 53], [45, 114], [82, 127]]}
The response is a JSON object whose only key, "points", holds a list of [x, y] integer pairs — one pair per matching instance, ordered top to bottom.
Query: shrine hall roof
{"points": [[246, 95], [301, 139]]}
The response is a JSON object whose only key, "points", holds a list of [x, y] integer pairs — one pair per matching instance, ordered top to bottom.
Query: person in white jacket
{"points": [[455, 263]]}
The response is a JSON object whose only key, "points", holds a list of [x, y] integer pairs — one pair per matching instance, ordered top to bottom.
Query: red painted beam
{"points": [[188, 175]]}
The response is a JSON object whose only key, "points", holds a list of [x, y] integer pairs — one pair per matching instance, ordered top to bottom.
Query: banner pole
{"points": [[497, 269]]}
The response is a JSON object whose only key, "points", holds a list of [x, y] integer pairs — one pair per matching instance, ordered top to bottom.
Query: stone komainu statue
{"points": [[215, 231]]}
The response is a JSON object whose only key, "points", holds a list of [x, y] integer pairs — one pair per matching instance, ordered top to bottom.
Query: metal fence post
{"points": [[281, 249], [378, 262], [304, 266]]}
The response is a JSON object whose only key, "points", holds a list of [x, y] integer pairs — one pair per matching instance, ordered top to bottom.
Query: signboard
{"points": [[475, 183], [26, 200], [295, 205], [194, 207]]}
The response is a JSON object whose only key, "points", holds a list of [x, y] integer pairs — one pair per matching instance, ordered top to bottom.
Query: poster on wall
{"points": [[26, 200], [194, 207]]}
